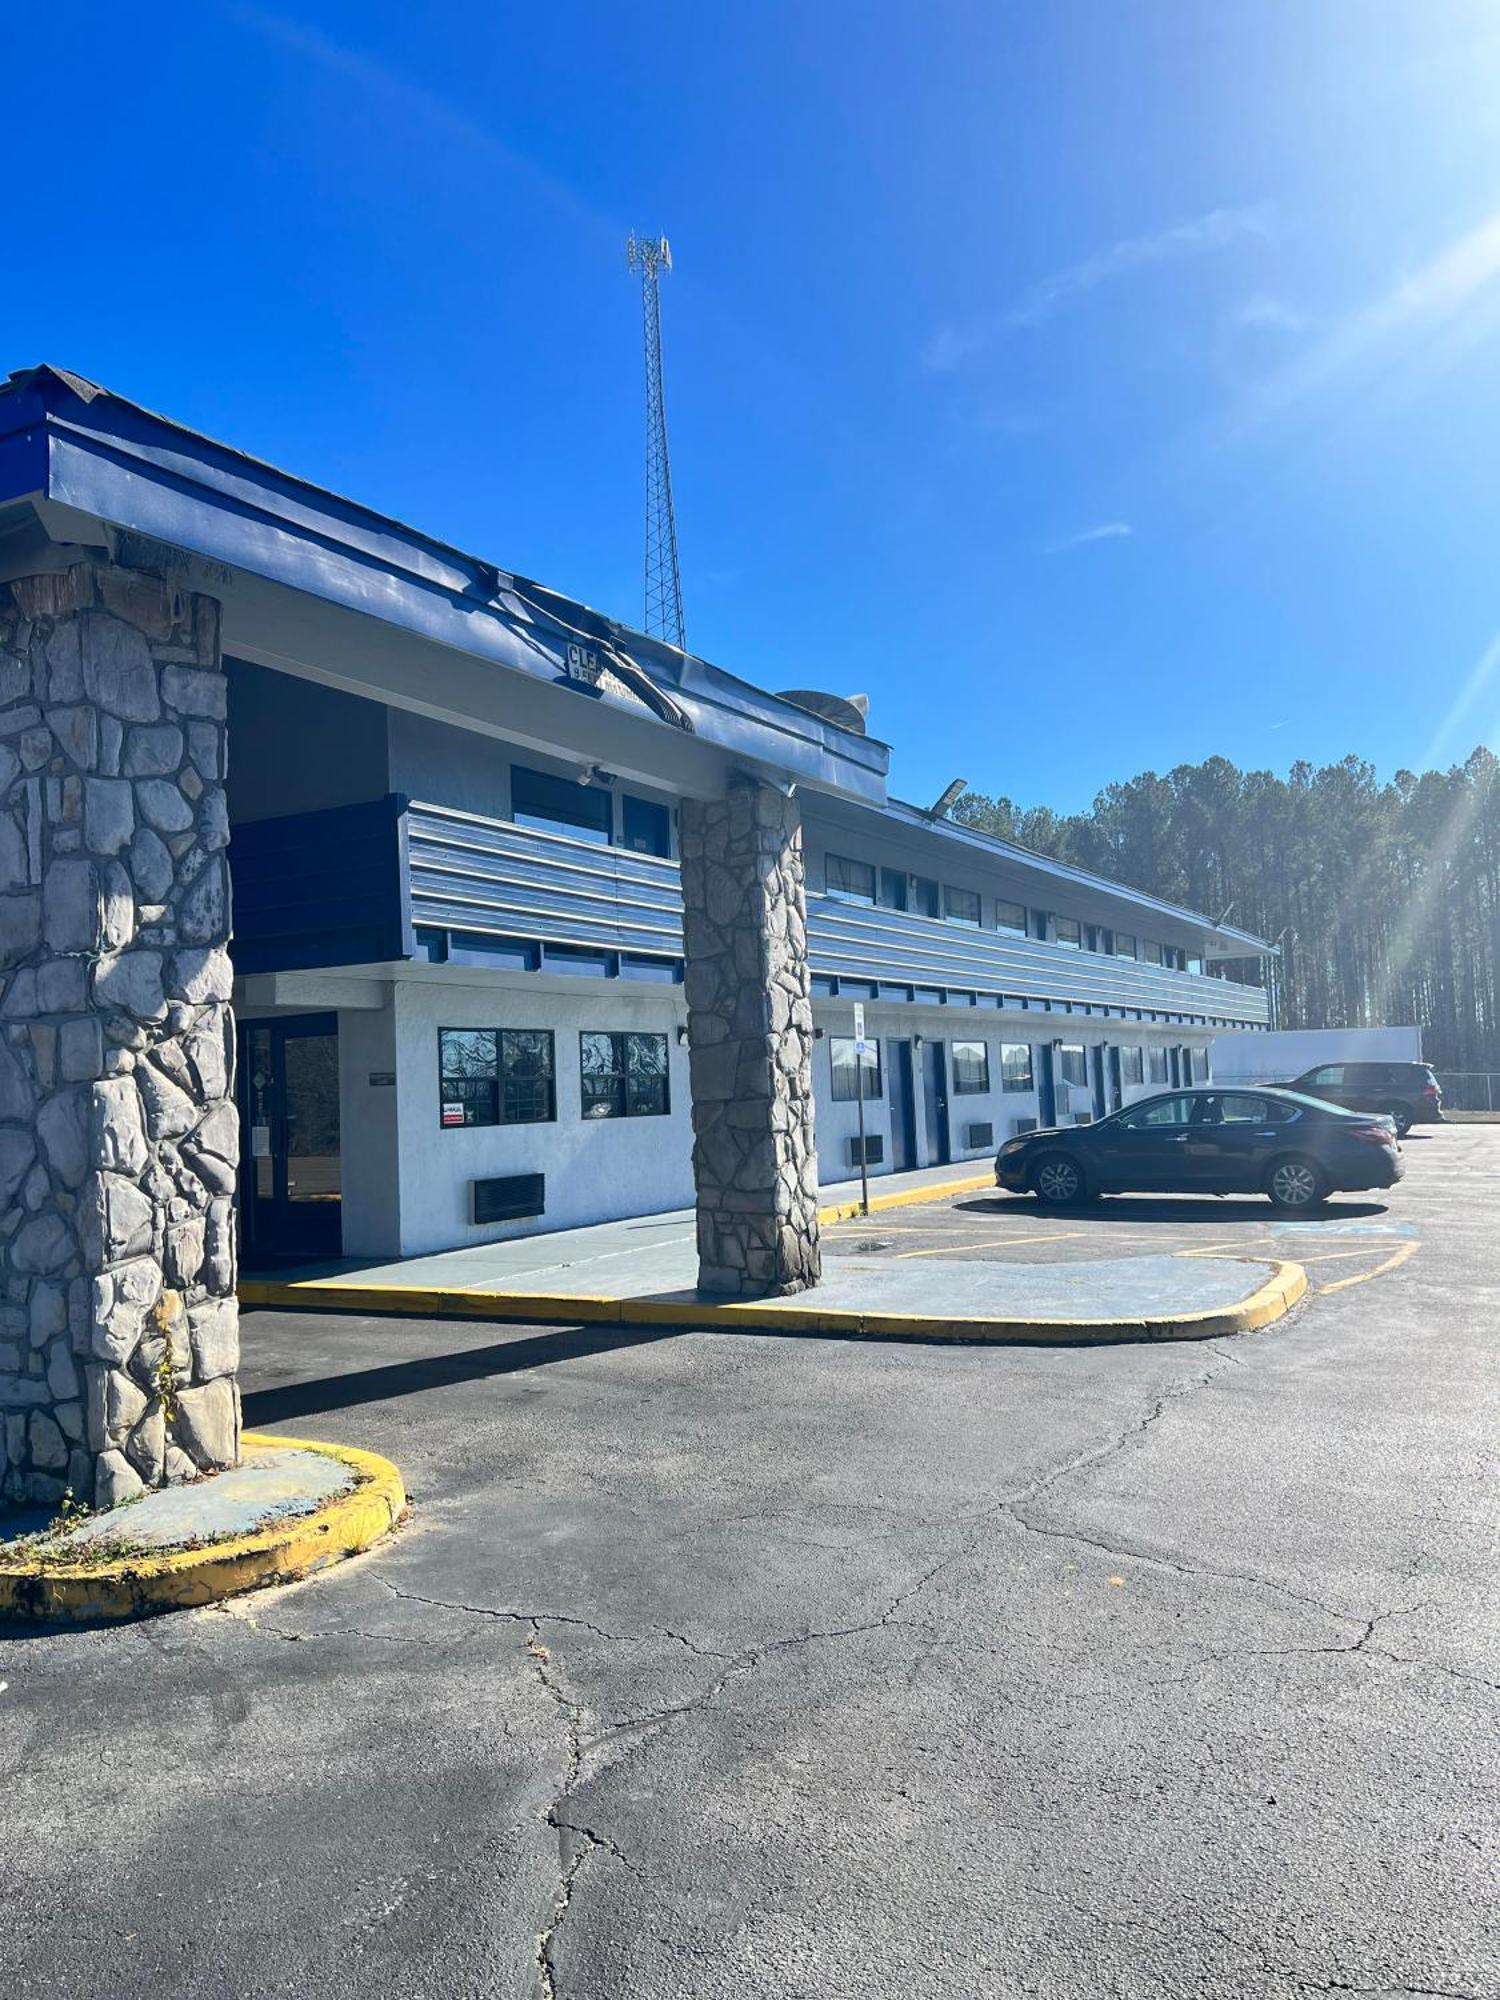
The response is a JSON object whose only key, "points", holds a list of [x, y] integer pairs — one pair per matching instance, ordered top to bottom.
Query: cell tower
{"points": [[651, 256]]}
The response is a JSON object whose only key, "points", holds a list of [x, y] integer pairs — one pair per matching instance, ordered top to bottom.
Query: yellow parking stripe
{"points": [[990, 1243], [1363, 1277]]}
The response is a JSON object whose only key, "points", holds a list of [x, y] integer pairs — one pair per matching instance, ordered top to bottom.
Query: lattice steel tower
{"points": [[651, 256]]}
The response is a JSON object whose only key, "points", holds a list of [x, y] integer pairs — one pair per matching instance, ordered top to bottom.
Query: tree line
{"points": [[1385, 896]]}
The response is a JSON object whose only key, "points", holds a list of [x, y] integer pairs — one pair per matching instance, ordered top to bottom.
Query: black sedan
{"points": [[1295, 1149]]}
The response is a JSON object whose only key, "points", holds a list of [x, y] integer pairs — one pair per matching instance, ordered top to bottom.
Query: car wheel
{"points": [[1400, 1117], [1058, 1181], [1295, 1184]]}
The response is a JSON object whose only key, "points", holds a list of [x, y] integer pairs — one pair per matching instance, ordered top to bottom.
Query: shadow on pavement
{"points": [[1167, 1208], [264, 1408]]}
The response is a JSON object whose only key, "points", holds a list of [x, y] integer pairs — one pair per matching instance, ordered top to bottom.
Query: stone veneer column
{"points": [[750, 1036], [119, 1332]]}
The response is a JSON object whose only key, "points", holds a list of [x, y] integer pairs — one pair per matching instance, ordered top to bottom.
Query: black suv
{"points": [[1405, 1092]]}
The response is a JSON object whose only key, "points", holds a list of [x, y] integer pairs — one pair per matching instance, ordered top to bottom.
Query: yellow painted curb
{"points": [[850, 1211], [798, 1314], [135, 1585]]}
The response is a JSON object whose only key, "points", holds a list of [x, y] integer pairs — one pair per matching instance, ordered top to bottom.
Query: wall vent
{"points": [[1025, 1125], [979, 1135], [874, 1150], [510, 1197]]}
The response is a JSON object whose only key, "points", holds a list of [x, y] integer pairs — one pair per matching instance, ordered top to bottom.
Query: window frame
{"points": [[633, 804], [560, 826], [843, 895], [973, 897], [1008, 929], [1074, 943], [1125, 944], [1066, 1049], [1132, 1055], [1158, 1065], [838, 1071], [621, 1072], [498, 1083], [1007, 1084], [961, 1088]]}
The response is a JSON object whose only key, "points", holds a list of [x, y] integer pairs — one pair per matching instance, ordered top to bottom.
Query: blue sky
{"points": [[1097, 385]]}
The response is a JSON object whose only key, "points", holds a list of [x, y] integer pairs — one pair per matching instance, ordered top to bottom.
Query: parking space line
{"points": [[990, 1243], [1232, 1243], [1363, 1277]]}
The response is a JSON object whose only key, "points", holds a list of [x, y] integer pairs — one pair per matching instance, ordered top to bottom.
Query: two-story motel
{"points": [[455, 815]]}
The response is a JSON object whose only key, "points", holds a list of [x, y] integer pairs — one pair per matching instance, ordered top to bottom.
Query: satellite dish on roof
{"points": [[844, 711]]}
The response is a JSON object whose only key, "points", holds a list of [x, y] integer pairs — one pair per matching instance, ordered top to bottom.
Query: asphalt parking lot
{"points": [[723, 1664]]}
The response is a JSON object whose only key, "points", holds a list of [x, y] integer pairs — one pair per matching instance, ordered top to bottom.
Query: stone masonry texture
{"points": [[750, 1035], [119, 1337]]}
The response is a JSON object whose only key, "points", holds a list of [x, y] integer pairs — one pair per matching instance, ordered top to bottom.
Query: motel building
{"points": [[360, 898]]}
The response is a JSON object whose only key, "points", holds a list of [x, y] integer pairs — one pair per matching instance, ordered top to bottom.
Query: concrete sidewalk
{"points": [[644, 1272]]}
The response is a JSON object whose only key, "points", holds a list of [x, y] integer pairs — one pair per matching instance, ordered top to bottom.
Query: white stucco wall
{"points": [[369, 1131], [597, 1169]]}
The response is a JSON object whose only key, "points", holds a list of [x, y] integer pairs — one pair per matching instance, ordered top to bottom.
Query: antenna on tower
{"points": [[651, 256]]}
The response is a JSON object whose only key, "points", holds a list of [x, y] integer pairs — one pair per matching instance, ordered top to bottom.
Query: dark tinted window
{"points": [[559, 805], [646, 827]]}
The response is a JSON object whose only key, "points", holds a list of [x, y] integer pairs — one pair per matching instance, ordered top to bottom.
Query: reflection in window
{"points": [[560, 805], [850, 881], [961, 906], [1011, 918], [1068, 931], [1124, 945], [1072, 1063], [1157, 1063], [1015, 1066], [1132, 1066], [971, 1068], [496, 1076], [623, 1076], [846, 1077], [1165, 1111]]}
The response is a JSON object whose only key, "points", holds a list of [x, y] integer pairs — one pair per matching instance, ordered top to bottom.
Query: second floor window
{"points": [[560, 805], [646, 826], [850, 881], [961, 906], [1011, 918], [1068, 931], [1124, 945], [1151, 952], [1015, 1066], [971, 1068], [496, 1076], [623, 1076], [846, 1078]]}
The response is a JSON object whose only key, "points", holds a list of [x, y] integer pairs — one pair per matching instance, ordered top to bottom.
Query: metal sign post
{"points": [[860, 1046]]}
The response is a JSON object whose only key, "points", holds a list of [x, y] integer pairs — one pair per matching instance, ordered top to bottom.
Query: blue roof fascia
{"points": [[91, 450], [1025, 857]]}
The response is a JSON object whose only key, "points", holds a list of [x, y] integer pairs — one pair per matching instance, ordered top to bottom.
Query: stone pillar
{"points": [[750, 1036], [119, 1332]]}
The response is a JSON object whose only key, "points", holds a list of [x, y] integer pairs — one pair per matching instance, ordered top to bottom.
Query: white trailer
{"points": [[1286, 1052]]}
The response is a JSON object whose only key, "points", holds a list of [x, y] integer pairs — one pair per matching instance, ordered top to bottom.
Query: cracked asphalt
{"points": [[732, 1665]]}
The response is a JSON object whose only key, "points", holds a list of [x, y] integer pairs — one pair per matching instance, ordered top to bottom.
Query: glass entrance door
{"points": [[291, 1184]]}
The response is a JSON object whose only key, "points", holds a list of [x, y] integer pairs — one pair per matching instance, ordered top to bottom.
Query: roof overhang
{"points": [[292, 556]]}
